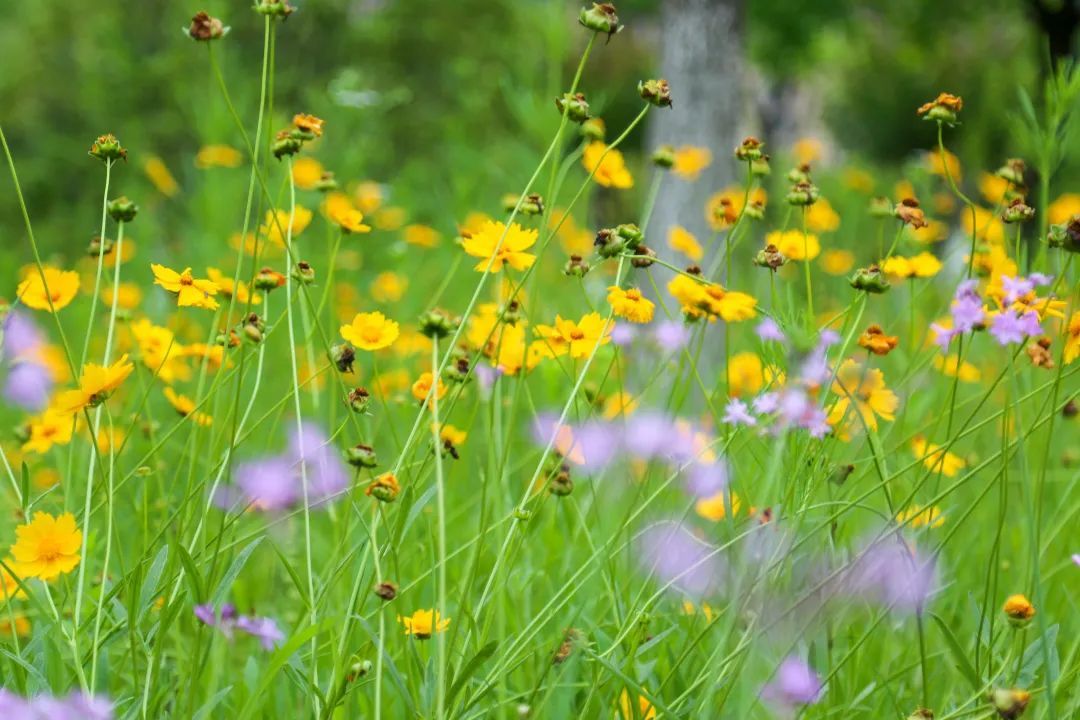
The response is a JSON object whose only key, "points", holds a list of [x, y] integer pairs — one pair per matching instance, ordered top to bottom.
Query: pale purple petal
{"points": [[767, 330], [671, 335], [28, 385], [736, 413], [706, 479], [268, 483], [670, 552], [266, 629], [794, 684]]}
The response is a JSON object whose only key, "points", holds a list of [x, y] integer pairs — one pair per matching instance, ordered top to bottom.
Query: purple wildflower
{"points": [[1039, 278], [1015, 288], [967, 308], [1008, 327], [767, 330], [623, 334], [671, 335], [943, 335], [21, 336], [486, 375], [28, 385], [736, 413], [647, 434], [598, 442], [326, 475], [707, 478], [268, 483], [670, 552], [1076, 559], [893, 573], [225, 620], [265, 629], [795, 683], [77, 706]]}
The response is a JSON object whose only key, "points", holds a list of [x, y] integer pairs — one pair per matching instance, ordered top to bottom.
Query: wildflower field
{"points": [[287, 437]]}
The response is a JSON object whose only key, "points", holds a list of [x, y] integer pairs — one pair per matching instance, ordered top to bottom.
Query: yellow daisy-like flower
{"points": [[806, 150], [211, 156], [690, 161], [937, 164], [609, 170], [307, 172], [159, 175], [858, 180], [993, 187], [369, 196], [725, 207], [1063, 208], [820, 217], [389, 218], [349, 219], [276, 225], [987, 226], [934, 231], [421, 235], [682, 240], [483, 244], [794, 245], [837, 262], [923, 265], [62, 287], [388, 287], [228, 288], [189, 290], [128, 295], [710, 300], [630, 304], [371, 331], [578, 339], [1072, 341], [160, 351], [952, 367], [745, 374], [96, 383], [421, 389], [865, 389], [621, 403], [185, 407], [51, 428], [450, 434], [935, 458], [715, 508], [917, 516], [47, 546], [9, 587], [424, 623], [644, 711]]}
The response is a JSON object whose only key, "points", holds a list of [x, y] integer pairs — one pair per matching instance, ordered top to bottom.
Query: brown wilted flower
{"points": [[205, 28], [943, 108], [909, 213], [876, 341], [1039, 352], [386, 590], [571, 638]]}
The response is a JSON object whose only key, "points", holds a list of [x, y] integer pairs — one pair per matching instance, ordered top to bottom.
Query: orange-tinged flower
{"points": [[308, 123], [210, 156], [690, 161], [607, 166], [723, 209], [682, 240], [486, 244], [794, 245], [62, 286], [189, 290], [630, 304], [371, 331], [580, 339], [1072, 340], [876, 341], [96, 383], [421, 389], [185, 407], [50, 428], [936, 458], [47, 546], [1018, 607], [424, 623]]}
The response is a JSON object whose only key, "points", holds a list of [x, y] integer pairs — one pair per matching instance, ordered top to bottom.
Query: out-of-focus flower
{"points": [[211, 156], [690, 161], [607, 166], [158, 172], [307, 172], [1063, 208], [820, 217], [421, 235], [682, 240], [794, 245], [837, 262], [923, 265], [630, 304], [671, 335], [1072, 338], [952, 367], [865, 389], [185, 407], [736, 412], [936, 458], [917, 516], [670, 552], [892, 572], [264, 628], [795, 684], [76, 706], [644, 710]]}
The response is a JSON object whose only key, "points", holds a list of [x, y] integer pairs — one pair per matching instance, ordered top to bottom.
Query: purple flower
{"points": [[1041, 279], [1016, 288], [967, 308], [1008, 327], [767, 330], [623, 334], [671, 335], [943, 335], [21, 336], [827, 339], [486, 376], [28, 385], [797, 409], [736, 413], [648, 434], [598, 442], [326, 474], [707, 479], [268, 483], [670, 552], [1076, 559], [893, 573], [224, 621], [266, 629], [795, 683], [76, 706]]}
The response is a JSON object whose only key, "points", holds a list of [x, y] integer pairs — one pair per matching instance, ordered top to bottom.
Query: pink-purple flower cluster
{"points": [[227, 621], [76, 706]]}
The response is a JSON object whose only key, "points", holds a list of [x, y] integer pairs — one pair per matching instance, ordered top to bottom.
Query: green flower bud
{"points": [[280, 9], [600, 18], [655, 91], [574, 106], [593, 129], [287, 142], [107, 148], [750, 149], [663, 156], [760, 167], [1013, 170], [326, 183], [802, 194], [531, 204], [881, 207], [122, 210], [1018, 211], [631, 233], [1066, 235], [609, 243], [100, 246], [644, 256], [770, 257], [576, 267], [303, 273], [268, 279], [870, 280], [438, 323], [253, 328], [343, 356], [358, 399], [361, 456], [839, 476], [561, 485], [386, 590], [1010, 704]]}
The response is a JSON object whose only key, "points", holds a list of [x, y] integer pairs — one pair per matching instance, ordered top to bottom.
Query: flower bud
{"points": [[280, 9], [600, 18], [205, 28], [655, 91], [574, 106], [943, 109], [593, 129], [286, 143], [107, 148], [749, 149], [663, 156], [760, 167], [1013, 170], [799, 174], [326, 182], [802, 194], [531, 204], [881, 207], [122, 210], [754, 210], [1018, 211], [909, 213], [631, 233], [1066, 235], [609, 243], [99, 246], [644, 257], [771, 258], [576, 267], [303, 273], [268, 279], [870, 280], [511, 313], [438, 323], [253, 328], [229, 339], [876, 341], [343, 356], [458, 371], [358, 399], [1070, 409], [361, 456], [840, 474], [561, 484], [384, 488], [386, 590], [1019, 610], [358, 670], [1010, 704], [921, 714]]}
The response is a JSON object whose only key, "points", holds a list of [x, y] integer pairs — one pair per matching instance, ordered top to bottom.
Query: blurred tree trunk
{"points": [[702, 58]]}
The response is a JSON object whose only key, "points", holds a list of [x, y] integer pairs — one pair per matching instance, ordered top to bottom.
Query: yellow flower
{"points": [[308, 123], [806, 150], [211, 156], [690, 161], [936, 166], [609, 170], [307, 172], [159, 175], [858, 180], [992, 187], [369, 196], [725, 207], [1063, 208], [820, 217], [347, 218], [389, 218], [277, 223], [987, 225], [934, 231], [421, 235], [517, 240], [575, 240], [682, 240], [794, 245], [837, 262], [923, 265], [62, 284], [388, 287], [228, 288], [190, 291], [128, 296], [710, 300], [630, 304], [371, 331], [579, 339], [1072, 342], [159, 351], [966, 371], [745, 374], [96, 383], [865, 387], [421, 389], [621, 403], [185, 407], [51, 428], [450, 434], [935, 458], [384, 488], [715, 508], [917, 516], [47, 546], [9, 586], [1018, 607], [706, 610], [424, 623], [20, 628], [645, 709]]}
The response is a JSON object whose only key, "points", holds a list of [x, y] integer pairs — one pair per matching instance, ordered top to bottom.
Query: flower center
{"points": [[577, 335], [48, 549]]}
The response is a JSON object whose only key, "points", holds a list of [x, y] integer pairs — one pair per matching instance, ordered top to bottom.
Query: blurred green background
{"points": [[450, 102]]}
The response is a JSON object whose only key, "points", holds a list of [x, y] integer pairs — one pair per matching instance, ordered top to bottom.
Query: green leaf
{"points": [[191, 572], [233, 572], [150, 581], [962, 662], [469, 669]]}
